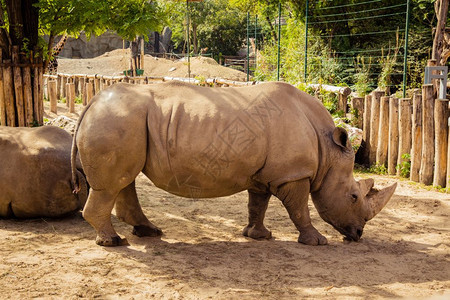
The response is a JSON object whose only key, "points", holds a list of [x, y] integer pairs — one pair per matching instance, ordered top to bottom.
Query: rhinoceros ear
{"points": [[340, 138]]}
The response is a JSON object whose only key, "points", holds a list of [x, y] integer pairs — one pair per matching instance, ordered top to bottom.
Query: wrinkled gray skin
{"points": [[269, 139], [35, 173]]}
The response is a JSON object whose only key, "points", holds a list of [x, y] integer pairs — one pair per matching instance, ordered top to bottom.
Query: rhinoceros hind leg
{"points": [[294, 196], [257, 206], [129, 210], [100, 219]]}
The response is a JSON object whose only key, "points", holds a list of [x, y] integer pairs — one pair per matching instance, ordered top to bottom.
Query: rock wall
{"points": [[81, 47]]}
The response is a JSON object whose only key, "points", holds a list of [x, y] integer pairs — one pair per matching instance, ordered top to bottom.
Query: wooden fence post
{"points": [[66, 80], [76, 80], [96, 84], [58, 86], [18, 87], [82, 89], [89, 90], [66, 91], [9, 94], [28, 95], [2, 96], [40, 96], [52, 96], [71, 96], [358, 111], [441, 115], [404, 124], [374, 125], [383, 132], [393, 136], [416, 149], [362, 156], [448, 158], [426, 164]]}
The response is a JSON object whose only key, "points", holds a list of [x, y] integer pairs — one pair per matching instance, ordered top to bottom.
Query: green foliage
{"points": [[128, 18], [213, 23], [363, 84], [35, 123], [405, 166], [378, 169]]}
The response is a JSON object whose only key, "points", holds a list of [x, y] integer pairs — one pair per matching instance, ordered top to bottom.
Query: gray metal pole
{"points": [[256, 39], [279, 40], [188, 41], [306, 41], [248, 45], [405, 58]]}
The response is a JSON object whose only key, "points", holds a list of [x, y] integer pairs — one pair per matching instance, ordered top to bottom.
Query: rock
{"points": [[165, 38], [65, 123], [354, 134]]}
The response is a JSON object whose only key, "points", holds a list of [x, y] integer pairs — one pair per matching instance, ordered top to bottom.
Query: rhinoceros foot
{"points": [[143, 230], [257, 232], [310, 236], [111, 242]]}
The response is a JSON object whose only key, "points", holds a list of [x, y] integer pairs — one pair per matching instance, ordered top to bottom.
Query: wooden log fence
{"points": [[87, 86], [21, 95], [418, 127]]}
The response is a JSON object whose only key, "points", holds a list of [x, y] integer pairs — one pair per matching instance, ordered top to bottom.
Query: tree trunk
{"points": [[441, 8], [272, 29]]}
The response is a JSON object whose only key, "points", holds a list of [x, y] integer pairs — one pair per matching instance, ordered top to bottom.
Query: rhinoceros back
{"points": [[210, 142]]}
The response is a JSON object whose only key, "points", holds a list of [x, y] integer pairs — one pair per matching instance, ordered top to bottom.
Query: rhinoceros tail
{"points": [[73, 155]]}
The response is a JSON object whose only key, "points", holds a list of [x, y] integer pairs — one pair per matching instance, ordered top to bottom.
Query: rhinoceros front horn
{"points": [[375, 199]]}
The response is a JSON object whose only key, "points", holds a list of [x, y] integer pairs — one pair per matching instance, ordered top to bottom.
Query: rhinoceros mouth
{"points": [[351, 233]]}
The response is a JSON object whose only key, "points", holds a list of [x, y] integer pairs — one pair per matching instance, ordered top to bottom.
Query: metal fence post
{"points": [[256, 40], [279, 40], [306, 40], [188, 41], [248, 46], [405, 59]]}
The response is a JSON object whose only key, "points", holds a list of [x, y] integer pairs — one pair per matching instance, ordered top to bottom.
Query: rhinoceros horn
{"points": [[375, 199]]}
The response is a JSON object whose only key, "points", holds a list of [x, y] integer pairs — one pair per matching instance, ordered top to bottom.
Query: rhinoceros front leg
{"points": [[294, 196], [257, 206], [129, 210], [97, 212]]}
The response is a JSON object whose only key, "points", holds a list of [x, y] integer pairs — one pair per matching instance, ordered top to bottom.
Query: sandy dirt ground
{"points": [[115, 62], [404, 253]]}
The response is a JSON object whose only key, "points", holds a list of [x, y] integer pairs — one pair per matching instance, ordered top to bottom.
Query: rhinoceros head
{"points": [[342, 201]]}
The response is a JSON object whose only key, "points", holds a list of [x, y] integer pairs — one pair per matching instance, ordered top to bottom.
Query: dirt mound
{"points": [[115, 62]]}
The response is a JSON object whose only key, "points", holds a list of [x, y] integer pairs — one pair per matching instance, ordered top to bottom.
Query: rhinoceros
{"points": [[201, 142], [35, 173]]}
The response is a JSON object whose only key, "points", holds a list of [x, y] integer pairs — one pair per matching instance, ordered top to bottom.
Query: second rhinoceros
{"points": [[269, 139], [35, 173]]}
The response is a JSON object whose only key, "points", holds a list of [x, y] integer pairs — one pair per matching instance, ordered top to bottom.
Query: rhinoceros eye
{"points": [[354, 198]]}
